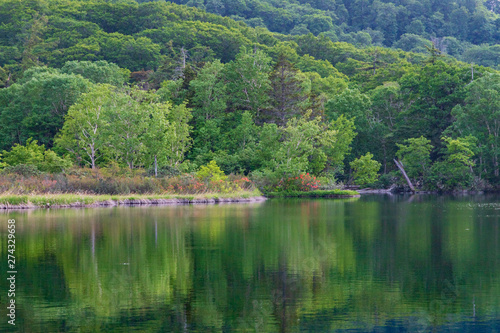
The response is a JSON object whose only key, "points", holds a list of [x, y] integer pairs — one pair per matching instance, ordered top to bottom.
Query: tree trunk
{"points": [[156, 167], [400, 167]]}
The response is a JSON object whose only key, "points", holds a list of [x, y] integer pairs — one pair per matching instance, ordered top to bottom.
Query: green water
{"points": [[373, 264]]}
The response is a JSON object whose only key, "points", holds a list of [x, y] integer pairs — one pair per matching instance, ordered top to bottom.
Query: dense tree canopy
{"points": [[407, 25], [159, 85]]}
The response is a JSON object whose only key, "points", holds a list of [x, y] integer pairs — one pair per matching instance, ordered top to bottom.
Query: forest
{"points": [[466, 29], [277, 91]]}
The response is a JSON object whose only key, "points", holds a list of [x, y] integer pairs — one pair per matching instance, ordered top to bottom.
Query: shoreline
{"points": [[331, 194], [69, 200], [24, 202]]}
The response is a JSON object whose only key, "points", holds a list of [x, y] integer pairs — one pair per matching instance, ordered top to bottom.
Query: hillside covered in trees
{"points": [[466, 29], [170, 88]]}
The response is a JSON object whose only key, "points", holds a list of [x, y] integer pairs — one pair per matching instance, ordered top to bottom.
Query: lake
{"points": [[371, 264]]}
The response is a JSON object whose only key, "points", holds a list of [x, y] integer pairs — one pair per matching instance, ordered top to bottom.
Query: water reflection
{"points": [[377, 263]]}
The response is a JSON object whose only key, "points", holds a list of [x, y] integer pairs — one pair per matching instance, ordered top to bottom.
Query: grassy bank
{"points": [[104, 187], [313, 194], [81, 200]]}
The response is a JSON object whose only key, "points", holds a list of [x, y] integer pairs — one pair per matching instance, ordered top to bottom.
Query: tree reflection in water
{"points": [[375, 263]]}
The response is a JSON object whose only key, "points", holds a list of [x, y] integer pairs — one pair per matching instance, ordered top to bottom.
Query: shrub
{"points": [[36, 155], [365, 169], [25, 170], [165, 171], [211, 173], [28, 180], [265, 180], [386, 180], [242, 182], [303, 182], [330, 183], [19, 184], [184, 184], [189, 184], [116, 185], [314, 194]]}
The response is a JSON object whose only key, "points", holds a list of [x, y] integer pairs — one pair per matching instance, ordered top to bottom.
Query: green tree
{"points": [[386, 20], [318, 23], [412, 43], [34, 45], [133, 53], [484, 55], [97, 71], [249, 84], [172, 91], [430, 93], [289, 95], [210, 97], [387, 105], [36, 106], [357, 106], [480, 117], [126, 122], [82, 133], [345, 133], [167, 137], [179, 140], [241, 142], [304, 144], [415, 157], [44, 160], [365, 169], [455, 170], [211, 173]]}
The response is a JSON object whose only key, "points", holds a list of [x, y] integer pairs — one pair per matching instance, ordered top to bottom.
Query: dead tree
{"points": [[400, 167]]}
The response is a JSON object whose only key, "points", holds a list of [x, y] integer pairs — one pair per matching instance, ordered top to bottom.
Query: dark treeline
{"points": [[167, 87]]}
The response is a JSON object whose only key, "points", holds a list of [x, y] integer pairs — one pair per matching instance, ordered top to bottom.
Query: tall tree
{"points": [[34, 45], [248, 81], [430, 93], [288, 94], [210, 97], [35, 107], [480, 117], [126, 124], [82, 134], [167, 137]]}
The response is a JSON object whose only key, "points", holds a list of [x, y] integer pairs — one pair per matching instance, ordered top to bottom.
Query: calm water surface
{"points": [[373, 264]]}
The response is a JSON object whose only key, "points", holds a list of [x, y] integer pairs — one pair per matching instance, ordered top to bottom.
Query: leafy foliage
{"points": [[161, 86], [33, 155], [415, 156], [365, 169], [211, 172], [302, 183]]}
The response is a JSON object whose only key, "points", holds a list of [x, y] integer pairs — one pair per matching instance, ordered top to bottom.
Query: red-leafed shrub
{"points": [[303, 182]]}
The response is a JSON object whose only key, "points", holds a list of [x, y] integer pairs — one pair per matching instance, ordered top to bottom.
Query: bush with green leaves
{"points": [[36, 156], [415, 156], [365, 169], [25, 170], [455, 170], [211, 173], [386, 180]]}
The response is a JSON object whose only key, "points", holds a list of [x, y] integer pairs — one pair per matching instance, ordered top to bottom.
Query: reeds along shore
{"points": [[93, 188], [78, 201]]}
